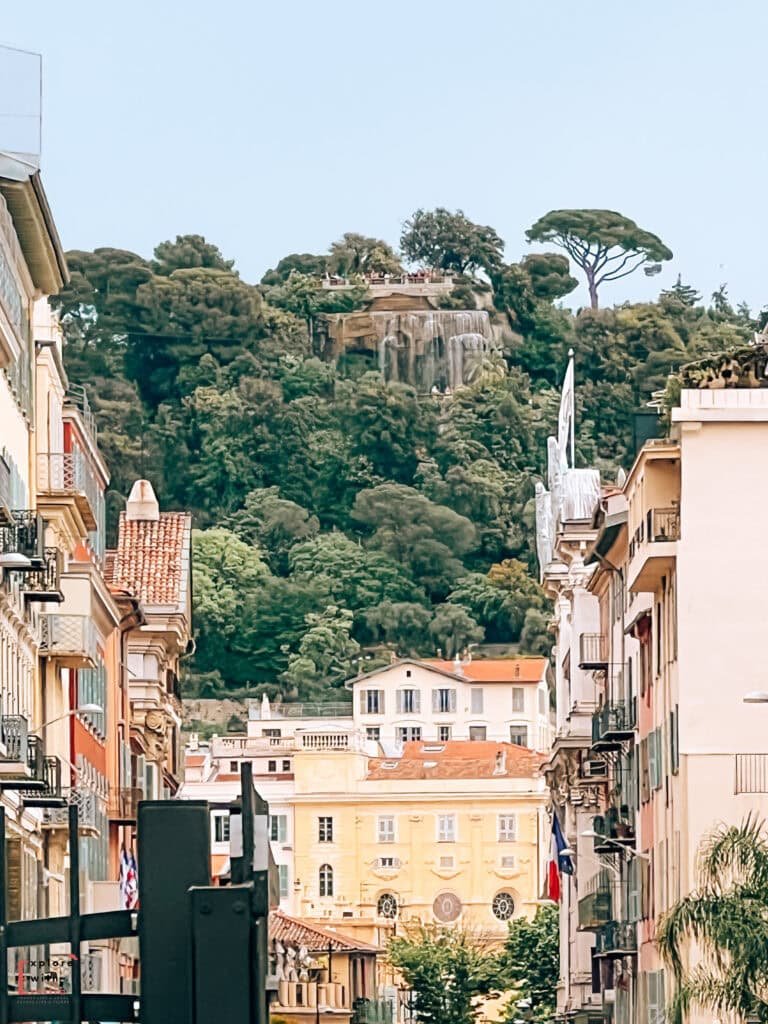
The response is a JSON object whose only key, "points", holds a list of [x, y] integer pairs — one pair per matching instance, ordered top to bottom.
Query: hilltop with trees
{"points": [[338, 514]]}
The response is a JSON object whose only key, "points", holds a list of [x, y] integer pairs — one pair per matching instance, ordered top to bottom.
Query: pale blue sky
{"points": [[274, 127]]}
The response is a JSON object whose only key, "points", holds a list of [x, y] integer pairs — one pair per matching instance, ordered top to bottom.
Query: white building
{"points": [[501, 699]]}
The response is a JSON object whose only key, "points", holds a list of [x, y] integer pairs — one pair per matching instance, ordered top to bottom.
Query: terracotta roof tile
{"points": [[152, 558], [497, 670], [458, 759], [296, 932]]}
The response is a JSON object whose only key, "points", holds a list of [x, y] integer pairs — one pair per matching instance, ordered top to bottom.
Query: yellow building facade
{"points": [[445, 833]]}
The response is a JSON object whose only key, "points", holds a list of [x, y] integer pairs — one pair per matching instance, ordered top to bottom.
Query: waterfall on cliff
{"points": [[435, 348]]}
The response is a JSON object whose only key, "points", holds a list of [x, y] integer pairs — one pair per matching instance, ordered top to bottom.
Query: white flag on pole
{"points": [[565, 418]]}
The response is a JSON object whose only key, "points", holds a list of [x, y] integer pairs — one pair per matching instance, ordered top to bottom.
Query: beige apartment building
{"points": [[658, 615]]}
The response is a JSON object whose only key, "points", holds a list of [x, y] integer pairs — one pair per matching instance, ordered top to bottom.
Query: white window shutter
{"points": [[435, 700], [452, 700], [399, 701], [417, 702], [363, 707]]}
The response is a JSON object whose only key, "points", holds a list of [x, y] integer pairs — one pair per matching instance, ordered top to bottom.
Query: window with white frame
{"points": [[518, 699], [476, 700], [443, 701], [371, 702], [408, 702], [373, 732], [477, 732], [409, 733], [444, 733], [518, 734], [221, 828], [278, 828], [385, 828], [446, 828], [507, 828], [325, 829], [282, 871], [325, 878]]}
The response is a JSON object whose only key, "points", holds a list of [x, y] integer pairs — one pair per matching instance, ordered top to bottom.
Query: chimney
{"points": [[142, 504], [457, 666], [501, 763]]}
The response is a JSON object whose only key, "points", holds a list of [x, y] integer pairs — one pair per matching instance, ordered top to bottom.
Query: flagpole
{"points": [[573, 413]]}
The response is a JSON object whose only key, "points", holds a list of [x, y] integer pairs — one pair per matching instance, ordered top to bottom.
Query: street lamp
{"points": [[84, 709], [591, 834]]}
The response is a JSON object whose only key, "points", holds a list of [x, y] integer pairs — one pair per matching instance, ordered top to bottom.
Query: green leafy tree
{"points": [[451, 242], [604, 244], [186, 252], [357, 254], [303, 262], [304, 296], [387, 425], [273, 524], [430, 539], [355, 577], [500, 600], [401, 625], [452, 628], [535, 636], [326, 654], [726, 916], [531, 962], [448, 969]]}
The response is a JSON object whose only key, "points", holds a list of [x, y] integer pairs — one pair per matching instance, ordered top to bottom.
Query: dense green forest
{"points": [[339, 516]]}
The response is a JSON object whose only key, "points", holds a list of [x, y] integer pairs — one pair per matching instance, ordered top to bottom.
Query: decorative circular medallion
{"points": [[387, 905], [503, 906], [447, 907]]}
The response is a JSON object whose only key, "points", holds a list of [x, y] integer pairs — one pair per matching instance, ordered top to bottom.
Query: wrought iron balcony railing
{"points": [[68, 473], [659, 526], [23, 535], [44, 584], [71, 639], [593, 650], [613, 724], [14, 731], [24, 766], [45, 769], [88, 803], [123, 805], [615, 829], [595, 908], [616, 939]]}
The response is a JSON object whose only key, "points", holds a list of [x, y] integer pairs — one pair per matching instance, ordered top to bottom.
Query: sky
{"points": [[274, 127]]}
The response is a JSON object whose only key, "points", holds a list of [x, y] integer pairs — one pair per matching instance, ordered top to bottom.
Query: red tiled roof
{"points": [[152, 558], [497, 670], [458, 759], [194, 760], [296, 932]]}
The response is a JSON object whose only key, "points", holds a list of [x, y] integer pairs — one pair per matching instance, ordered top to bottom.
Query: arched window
{"points": [[326, 880], [386, 905]]}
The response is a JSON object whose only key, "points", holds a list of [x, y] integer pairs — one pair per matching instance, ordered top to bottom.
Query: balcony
{"points": [[66, 475], [23, 534], [653, 549], [43, 584], [70, 639], [593, 651], [340, 709], [613, 724], [23, 767], [48, 769], [123, 805], [88, 810], [615, 830], [595, 908], [616, 939]]}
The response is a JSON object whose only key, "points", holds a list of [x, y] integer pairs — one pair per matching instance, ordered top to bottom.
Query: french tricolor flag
{"points": [[559, 863]]}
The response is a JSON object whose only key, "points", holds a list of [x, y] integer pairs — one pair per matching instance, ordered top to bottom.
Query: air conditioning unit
{"points": [[594, 769]]}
